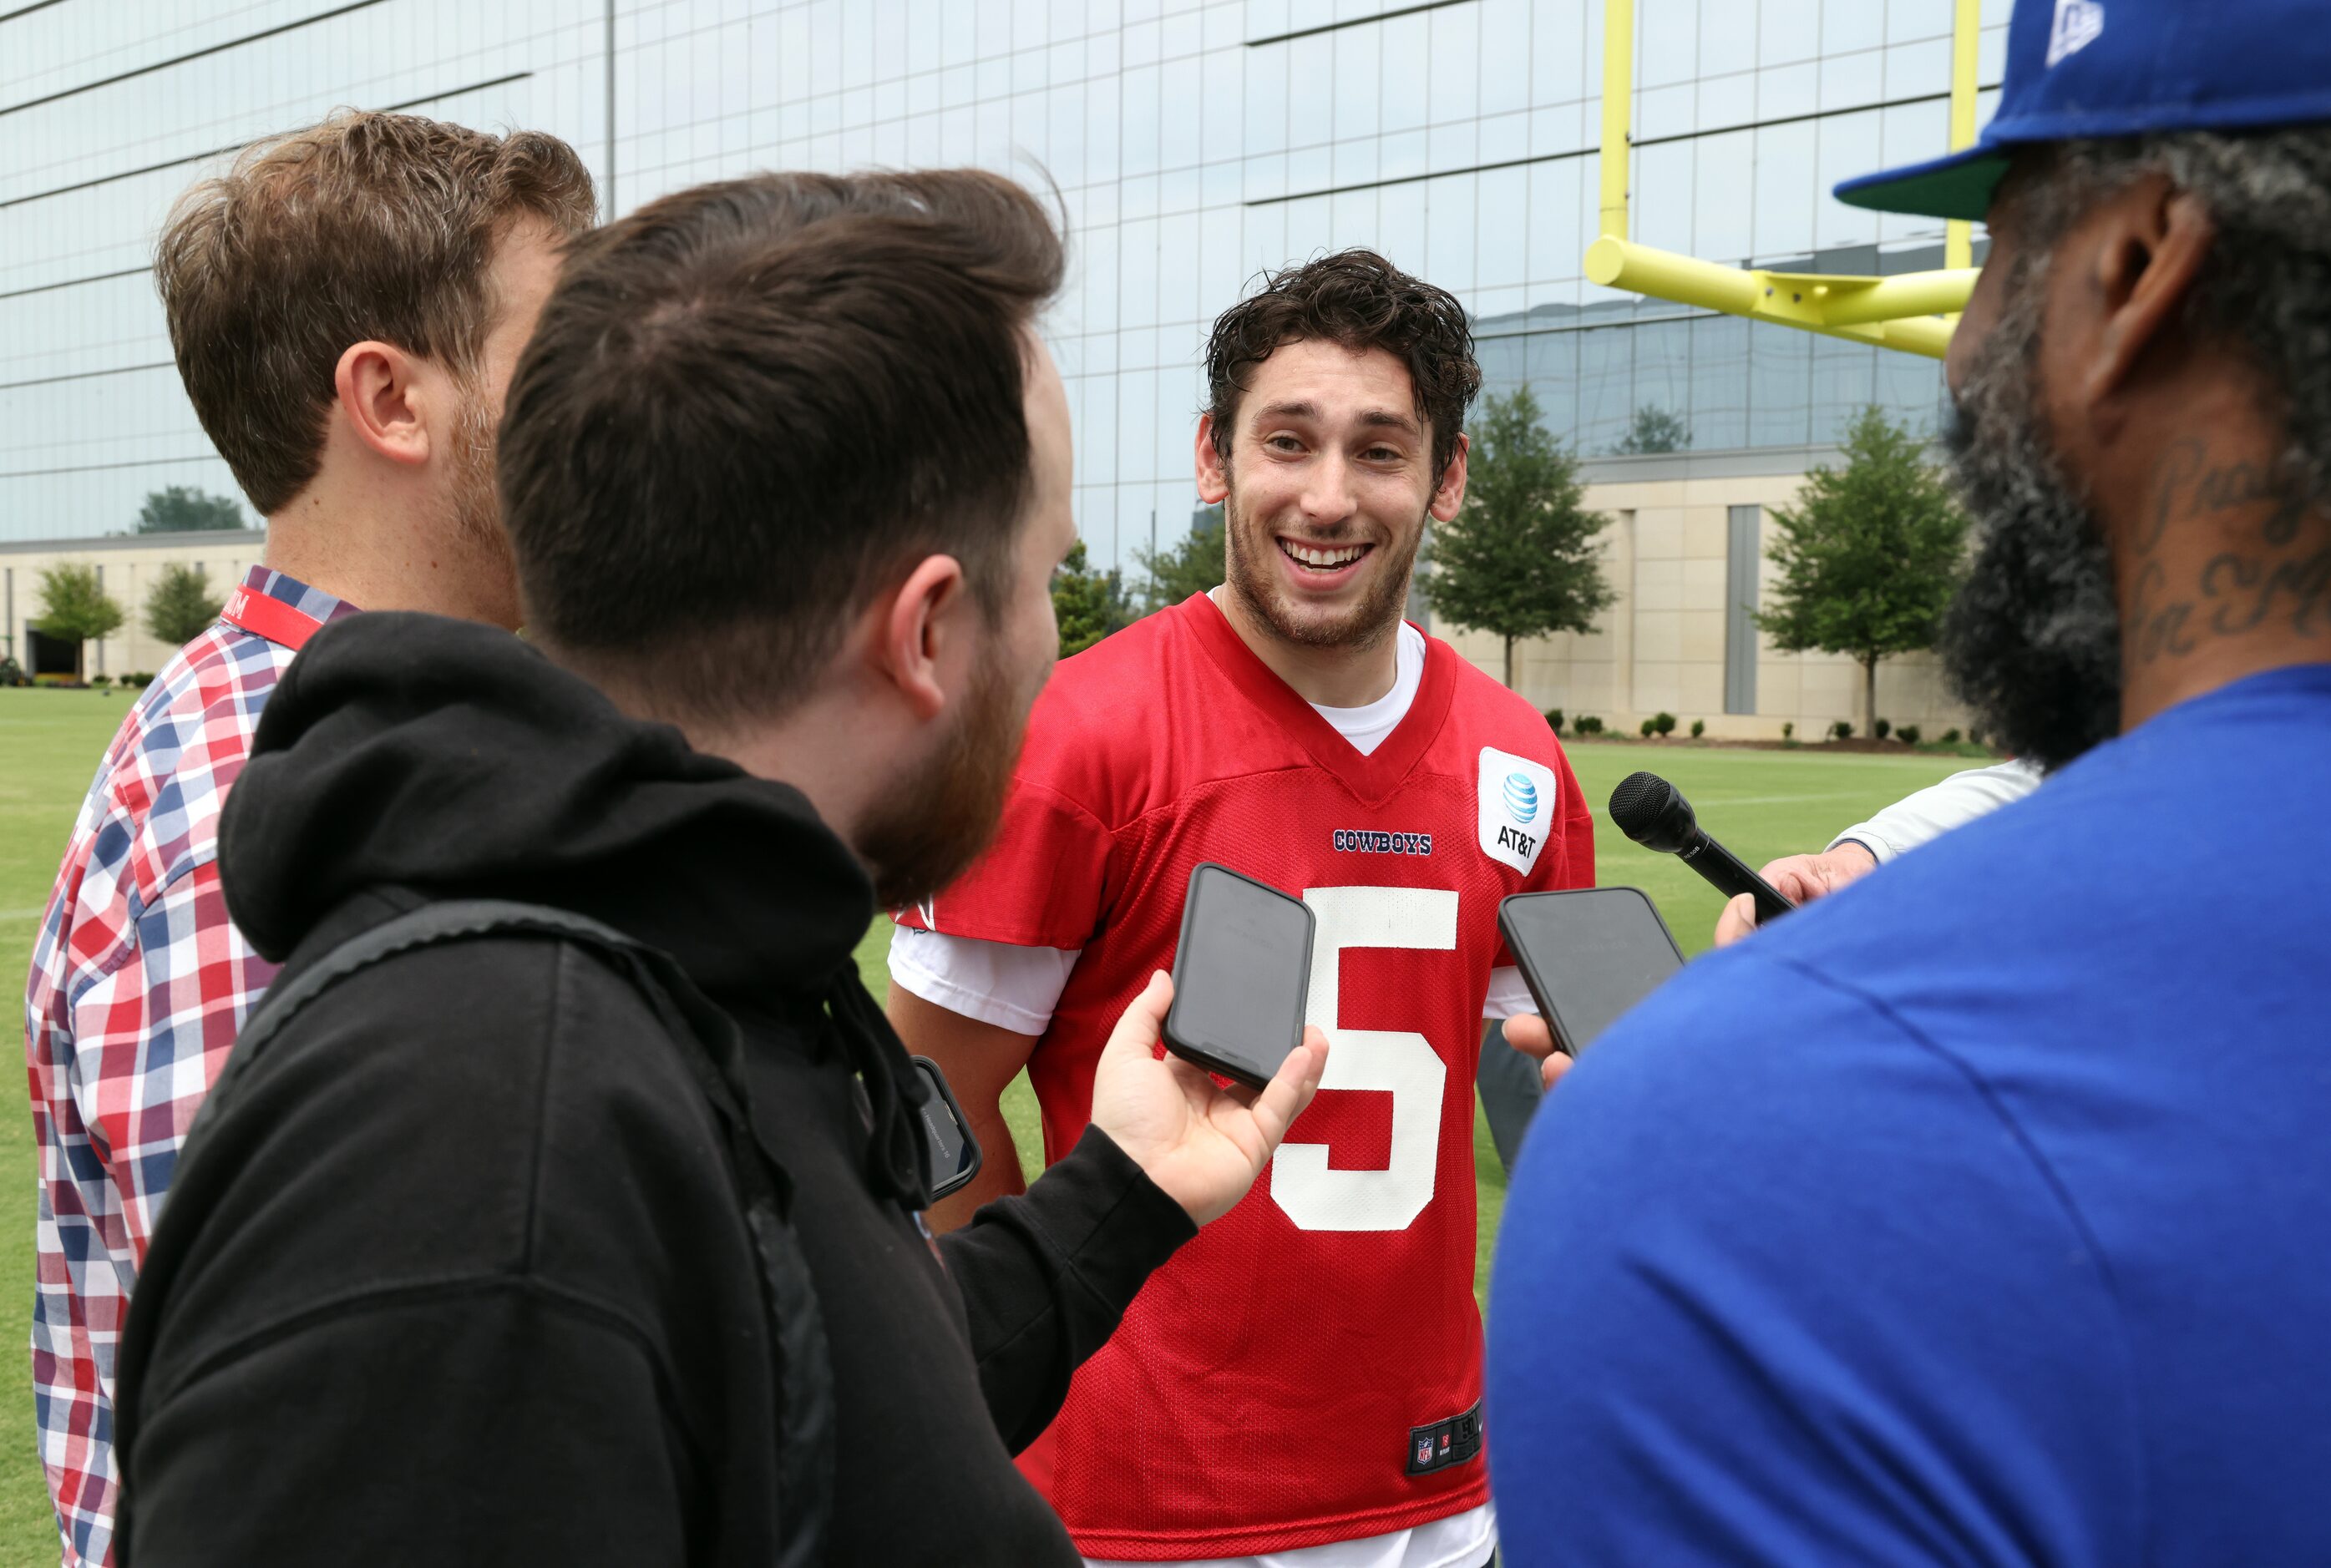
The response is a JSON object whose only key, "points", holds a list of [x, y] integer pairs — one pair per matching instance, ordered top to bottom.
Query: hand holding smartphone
{"points": [[1241, 972]]}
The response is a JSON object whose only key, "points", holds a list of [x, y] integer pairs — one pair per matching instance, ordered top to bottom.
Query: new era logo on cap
{"points": [[2078, 23], [2081, 69]]}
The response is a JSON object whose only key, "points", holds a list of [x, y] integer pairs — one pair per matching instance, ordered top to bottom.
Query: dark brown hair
{"points": [[376, 226], [1357, 300], [751, 405]]}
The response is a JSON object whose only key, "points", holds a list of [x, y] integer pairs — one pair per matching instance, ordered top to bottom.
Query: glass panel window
{"points": [[1847, 26], [1787, 29], [1667, 40], [1558, 54], [1456, 55], [1407, 61], [1505, 63], [1359, 88], [1310, 91], [1723, 186], [1786, 190], [1556, 248], [1502, 257], [1551, 363], [1780, 363], [1663, 372], [1719, 381], [1844, 383], [1605, 388]]}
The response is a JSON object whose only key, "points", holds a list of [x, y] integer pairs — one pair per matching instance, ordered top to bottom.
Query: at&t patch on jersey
{"points": [[1518, 807]]}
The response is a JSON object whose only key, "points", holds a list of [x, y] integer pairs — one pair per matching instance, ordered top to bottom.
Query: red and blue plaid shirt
{"points": [[140, 982]]}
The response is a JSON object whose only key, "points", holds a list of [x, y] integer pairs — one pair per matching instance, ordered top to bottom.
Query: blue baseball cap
{"points": [[2106, 68]]}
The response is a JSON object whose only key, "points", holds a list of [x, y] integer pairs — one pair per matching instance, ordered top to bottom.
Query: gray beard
{"points": [[2033, 642]]}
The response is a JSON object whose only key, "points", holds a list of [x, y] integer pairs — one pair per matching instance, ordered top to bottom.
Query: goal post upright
{"points": [[1966, 25], [1618, 114], [1911, 311]]}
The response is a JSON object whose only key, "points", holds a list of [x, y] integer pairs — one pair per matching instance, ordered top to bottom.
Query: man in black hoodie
{"points": [[457, 1269]]}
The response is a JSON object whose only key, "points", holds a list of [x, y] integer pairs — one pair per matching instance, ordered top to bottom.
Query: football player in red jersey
{"points": [[1300, 1386]]}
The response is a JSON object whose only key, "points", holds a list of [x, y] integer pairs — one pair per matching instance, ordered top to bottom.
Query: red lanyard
{"points": [[269, 618]]}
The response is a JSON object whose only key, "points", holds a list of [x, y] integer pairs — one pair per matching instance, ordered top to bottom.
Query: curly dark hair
{"points": [[1357, 300]]}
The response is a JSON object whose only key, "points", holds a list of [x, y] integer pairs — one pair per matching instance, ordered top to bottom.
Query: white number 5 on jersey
{"points": [[1314, 1197]]}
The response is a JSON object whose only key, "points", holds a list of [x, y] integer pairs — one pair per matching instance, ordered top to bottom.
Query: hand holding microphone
{"points": [[1653, 812], [1800, 878]]}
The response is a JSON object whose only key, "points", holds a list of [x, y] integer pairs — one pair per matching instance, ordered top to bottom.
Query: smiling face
{"points": [[1325, 492]]}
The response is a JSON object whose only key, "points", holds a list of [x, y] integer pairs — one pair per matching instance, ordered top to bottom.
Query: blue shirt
{"points": [[1981, 1213]]}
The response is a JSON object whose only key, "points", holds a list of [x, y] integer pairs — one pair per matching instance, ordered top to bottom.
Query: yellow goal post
{"points": [[1911, 311]]}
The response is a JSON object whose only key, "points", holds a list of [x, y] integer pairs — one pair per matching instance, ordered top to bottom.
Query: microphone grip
{"points": [[1728, 875]]}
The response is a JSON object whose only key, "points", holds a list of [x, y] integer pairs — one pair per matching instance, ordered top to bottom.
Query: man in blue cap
{"points": [[1896, 1235]]}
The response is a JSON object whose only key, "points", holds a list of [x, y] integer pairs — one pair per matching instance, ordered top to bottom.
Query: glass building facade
{"points": [[1193, 145]]}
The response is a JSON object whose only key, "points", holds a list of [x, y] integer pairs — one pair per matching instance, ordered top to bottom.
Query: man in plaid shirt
{"points": [[347, 306]]}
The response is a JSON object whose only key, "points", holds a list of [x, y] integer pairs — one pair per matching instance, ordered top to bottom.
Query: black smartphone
{"points": [[1587, 955], [1240, 976], [952, 1154]]}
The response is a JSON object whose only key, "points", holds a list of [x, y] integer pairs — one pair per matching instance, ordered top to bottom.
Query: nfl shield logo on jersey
{"points": [[1518, 807], [1424, 1452]]}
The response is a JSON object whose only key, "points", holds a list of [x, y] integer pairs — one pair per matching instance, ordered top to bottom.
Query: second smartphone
{"points": [[1587, 955]]}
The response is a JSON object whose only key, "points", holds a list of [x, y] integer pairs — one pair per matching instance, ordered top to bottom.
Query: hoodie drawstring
{"points": [[897, 1159]]}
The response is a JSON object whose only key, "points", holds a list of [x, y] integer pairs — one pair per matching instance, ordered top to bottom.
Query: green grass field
{"points": [[1762, 803]]}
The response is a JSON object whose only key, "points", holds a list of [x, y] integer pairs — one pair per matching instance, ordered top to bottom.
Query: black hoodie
{"points": [[459, 1276]]}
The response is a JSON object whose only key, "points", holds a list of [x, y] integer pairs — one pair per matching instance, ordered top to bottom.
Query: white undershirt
{"points": [[1370, 724], [1017, 988], [1460, 1541]]}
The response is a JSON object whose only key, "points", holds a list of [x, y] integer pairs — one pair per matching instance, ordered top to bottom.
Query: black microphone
{"points": [[1653, 812]]}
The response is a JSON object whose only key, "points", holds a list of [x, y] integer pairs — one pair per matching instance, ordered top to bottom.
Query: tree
{"points": [[1655, 429], [183, 510], [1869, 557], [1521, 559], [1193, 566], [1088, 605], [180, 606], [75, 607]]}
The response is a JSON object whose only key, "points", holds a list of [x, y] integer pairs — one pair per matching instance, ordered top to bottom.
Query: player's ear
{"points": [[1213, 474], [1449, 491], [918, 635]]}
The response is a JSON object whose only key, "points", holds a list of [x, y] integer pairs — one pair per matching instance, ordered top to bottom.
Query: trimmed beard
{"points": [[473, 504], [1365, 625], [2033, 642], [928, 830]]}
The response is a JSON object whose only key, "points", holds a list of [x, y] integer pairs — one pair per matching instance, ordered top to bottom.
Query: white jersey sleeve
{"points": [[1937, 808], [1014, 988], [1508, 994]]}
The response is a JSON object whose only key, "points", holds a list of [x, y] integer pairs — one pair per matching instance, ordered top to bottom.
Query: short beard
{"points": [[473, 505], [1365, 625], [2033, 642], [925, 830]]}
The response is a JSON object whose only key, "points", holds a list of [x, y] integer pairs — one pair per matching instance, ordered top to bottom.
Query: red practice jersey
{"points": [[1307, 1370]]}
